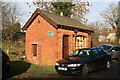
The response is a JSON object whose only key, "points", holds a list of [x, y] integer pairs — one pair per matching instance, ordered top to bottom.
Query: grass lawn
{"points": [[21, 69]]}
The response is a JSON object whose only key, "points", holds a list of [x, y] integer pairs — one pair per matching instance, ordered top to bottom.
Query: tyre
{"points": [[108, 65], [85, 70]]}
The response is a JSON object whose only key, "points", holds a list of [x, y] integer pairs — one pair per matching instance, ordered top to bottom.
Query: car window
{"points": [[106, 47], [117, 48], [82, 52], [93, 52], [101, 52], [74, 53]]}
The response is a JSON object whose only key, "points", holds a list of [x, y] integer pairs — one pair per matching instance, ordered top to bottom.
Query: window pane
{"points": [[117, 49], [94, 52], [101, 52]]}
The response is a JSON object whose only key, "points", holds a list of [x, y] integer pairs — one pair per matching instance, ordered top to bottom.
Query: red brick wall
{"points": [[38, 32], [71, 40], [49, 49]]}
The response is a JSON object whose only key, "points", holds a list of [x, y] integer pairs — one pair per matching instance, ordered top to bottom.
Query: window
{"points": [[80, 42], [106, 47], [117, 48], [34, 49], [81, 52], [84, 52], [93, 52], [101, 52], [74, 53]]}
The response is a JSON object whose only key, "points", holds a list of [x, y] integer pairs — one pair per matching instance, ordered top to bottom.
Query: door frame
{"points": [[65, 53]]}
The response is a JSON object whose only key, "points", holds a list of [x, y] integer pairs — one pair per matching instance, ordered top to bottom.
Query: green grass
{"points": [[21, 69], [37, 71]]}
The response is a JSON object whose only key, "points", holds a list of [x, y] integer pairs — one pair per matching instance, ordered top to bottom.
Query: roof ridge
{"points": [[57, 15]]}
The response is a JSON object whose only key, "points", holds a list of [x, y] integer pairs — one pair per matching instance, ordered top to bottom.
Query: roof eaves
{"points": [[34, 15], [47, 19], [30, 20], [75, 28]]}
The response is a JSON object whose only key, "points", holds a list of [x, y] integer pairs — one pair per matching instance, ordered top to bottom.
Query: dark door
{"points": [[65, 46]]}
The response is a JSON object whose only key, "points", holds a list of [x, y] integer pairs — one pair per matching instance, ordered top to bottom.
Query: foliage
{"points": [[64, 7], [74, 9], [80, 10], [10, 18], [112, 18], [95, 27], [98, 28], [9, 32], [118, 33], [14, 48]]}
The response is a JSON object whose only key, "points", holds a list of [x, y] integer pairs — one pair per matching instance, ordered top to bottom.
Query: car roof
{"points": [[108, 44], [111, 45], [89, 48]]}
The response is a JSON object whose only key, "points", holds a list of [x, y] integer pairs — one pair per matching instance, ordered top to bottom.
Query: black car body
{"points": [[113, 50], [83, 61], [6, 66]]}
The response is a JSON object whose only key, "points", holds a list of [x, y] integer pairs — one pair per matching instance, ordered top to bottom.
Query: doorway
{"points": [[65, 46]]}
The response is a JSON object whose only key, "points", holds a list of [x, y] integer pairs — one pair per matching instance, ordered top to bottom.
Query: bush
{"points": [[15, 48]]}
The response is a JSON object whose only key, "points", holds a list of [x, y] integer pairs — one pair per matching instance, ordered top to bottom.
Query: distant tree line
{"points": [[112, 17], [10, 22], [111, 22], [13, 40]]}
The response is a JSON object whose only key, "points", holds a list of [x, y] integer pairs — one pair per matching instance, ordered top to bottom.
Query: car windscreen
{"points": [[106, 47], [82, 52]]}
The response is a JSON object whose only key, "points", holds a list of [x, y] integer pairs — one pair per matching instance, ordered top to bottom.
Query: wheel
{"points": [[108, 65], [85, 70]]}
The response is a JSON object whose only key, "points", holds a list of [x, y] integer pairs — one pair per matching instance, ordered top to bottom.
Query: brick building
{"points": [[50, 37]]}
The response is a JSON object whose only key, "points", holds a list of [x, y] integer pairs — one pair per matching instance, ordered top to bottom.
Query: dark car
{"points": [[113, 50], [82, 61], [6, 66]]}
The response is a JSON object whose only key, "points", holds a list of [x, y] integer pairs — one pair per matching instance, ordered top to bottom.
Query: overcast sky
{"points": [[98, 6]]}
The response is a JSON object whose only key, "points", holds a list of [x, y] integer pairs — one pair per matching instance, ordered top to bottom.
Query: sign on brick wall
{"points": [[50, 33]]}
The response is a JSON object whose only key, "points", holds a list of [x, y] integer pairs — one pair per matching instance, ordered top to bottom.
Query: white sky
{"points": [[98, 6]]}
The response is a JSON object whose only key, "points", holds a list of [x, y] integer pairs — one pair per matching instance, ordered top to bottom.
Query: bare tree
{"points": [[80, 9], [112, 17], [10, 19]]}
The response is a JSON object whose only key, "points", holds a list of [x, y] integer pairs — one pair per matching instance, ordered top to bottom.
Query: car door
{"points": [[115, 52], [103, 57], [94, 59]]}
